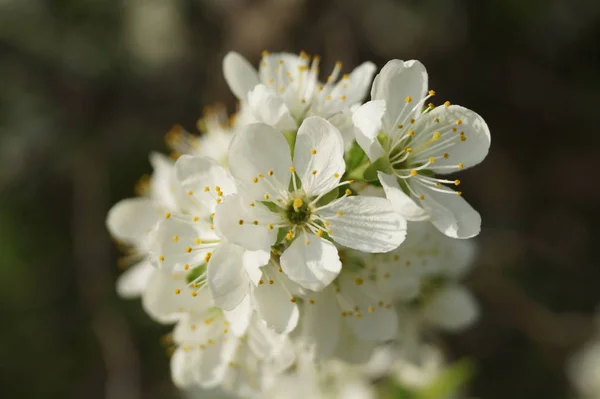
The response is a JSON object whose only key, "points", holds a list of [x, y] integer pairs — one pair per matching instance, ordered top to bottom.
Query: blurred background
{"points": [[89, 87]]}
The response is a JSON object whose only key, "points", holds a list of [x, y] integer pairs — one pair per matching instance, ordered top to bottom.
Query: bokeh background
{"points": [[89, 87]]}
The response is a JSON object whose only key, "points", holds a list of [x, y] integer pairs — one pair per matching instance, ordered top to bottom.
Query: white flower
{"points": [[286, 90], [417, 144], [267, 202], [132, 221], [425, 253], [348, 316], [210, 353]]}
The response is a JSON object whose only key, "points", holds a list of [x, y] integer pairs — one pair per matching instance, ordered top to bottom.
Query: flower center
{"points": [[298, 211]]}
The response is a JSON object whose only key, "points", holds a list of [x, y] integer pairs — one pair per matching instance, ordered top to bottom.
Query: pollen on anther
{"points": [[431, 92], [342, 98], [408, 99], [447, 104], [412, 121], [458, 122], [400, 126], [410, 133], [436, 135], [463, 138], [408, 150], [313, 151], [446, 155], [431, 159], [460, 165], [292, 169], [314, 172], [413, 172], [270, 173], [336, 175], [255, 179], [456, 182], [206, 189], [190, 192], [348, 192], [459, 193], [267, 196], [421, 197], [252, 204], [340, 213], [167, 215], [196, 218], [240, 222], [255, 222], [270, 227], [320, 233], [175, 238], [197, 241], [188, 249], [207, 256], [161, 258], [186, 267], [359, 281], [261, 282], [271, 282], [177, 291], [194, 293], [293, 299], [311, 301], [371, 309]]}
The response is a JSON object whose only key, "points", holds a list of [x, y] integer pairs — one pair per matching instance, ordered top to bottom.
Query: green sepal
{"points": [[381, 164], [330, 196], [273, 207], [195, 273]]}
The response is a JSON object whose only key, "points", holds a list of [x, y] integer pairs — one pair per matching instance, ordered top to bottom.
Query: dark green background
{"points": [[81, 107]]}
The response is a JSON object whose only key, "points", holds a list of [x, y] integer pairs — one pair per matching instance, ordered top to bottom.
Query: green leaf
{"points": [[450, 381]]}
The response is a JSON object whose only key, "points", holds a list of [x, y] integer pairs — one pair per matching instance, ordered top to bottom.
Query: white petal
{"points": [[239, 74], [397, 81], [358, 83], [267, 107], [368, 119], [469, 152], [319, 156], [259, 158], [196, 173], [164, 187], [401, 202], [451, 214], [235, 219], [130, 220], [368, 224], [175, 245], [253, 261], [313, 263], [227, 278], [133, 282], [272, 301], [453, 309], [240, 317], [371, 322], [320, 327], [353, 350], [182, 367]]}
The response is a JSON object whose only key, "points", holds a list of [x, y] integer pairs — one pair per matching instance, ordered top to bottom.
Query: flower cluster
{"points": [[291, 242]]}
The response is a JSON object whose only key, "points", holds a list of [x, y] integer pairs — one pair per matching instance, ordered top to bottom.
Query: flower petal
{"points": [[239, 75], [398, 82], [357, 83], [269, 108], [368, 119], [466, 146], [319, 156], [259, 158], [199, 176], [401, 202], [451, 214], [130, 220], [235, 220], [368, 224], [313, 263], [228, 280], [133, 282], [272, 301], [453, 309], [239, 317], [370, 319], [320, 326]]}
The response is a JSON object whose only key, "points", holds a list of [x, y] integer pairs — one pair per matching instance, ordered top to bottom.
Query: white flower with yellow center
{"points": [[286, 90], [410, 142], [278, 194]]}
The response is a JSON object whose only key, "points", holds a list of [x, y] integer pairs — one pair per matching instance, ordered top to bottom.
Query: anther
{"points": [[431, 92], [408, 99], [447, 104], [458, 122], [410, 133], [436, 135], [408, 150], [313, 151], [446, 155], [431, 159], [460, 165], [292, 169], [314, 172], [413, 172], [270, 173], [336, 175], [255, 179], [456, 182], [206, 189], [190, 192], [348, 192], [459, 193], [267, 196], [421, 197], [297, 204], [340, 213], [167, 215], [196, 218], [240, 222], [255, 223], [270, 227], [175, 238], [197, 241], [188, 249], [207, 256], [161, 258], [186, 267], [358, 281], [261, 282], [271, 282], [177, 291], [194, 293], [293, 299], [311, 301], [371, 309]]}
